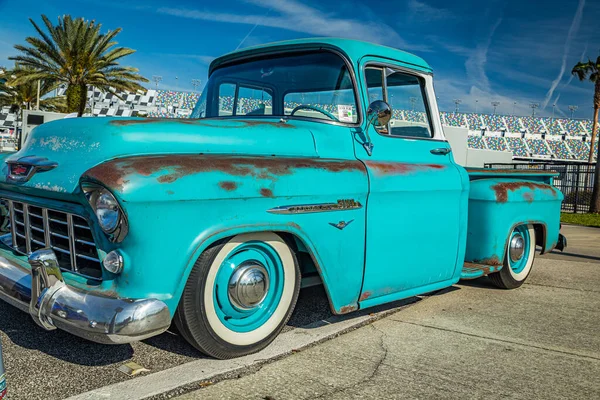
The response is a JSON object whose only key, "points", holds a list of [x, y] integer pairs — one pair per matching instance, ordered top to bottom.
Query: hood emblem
{"points": [[22, 169]]}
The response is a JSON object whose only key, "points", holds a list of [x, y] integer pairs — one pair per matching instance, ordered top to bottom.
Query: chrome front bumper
{"points": [[94, 316]]}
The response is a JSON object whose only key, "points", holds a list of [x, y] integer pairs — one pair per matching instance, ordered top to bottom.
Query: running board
{"points": [[474, 270]]}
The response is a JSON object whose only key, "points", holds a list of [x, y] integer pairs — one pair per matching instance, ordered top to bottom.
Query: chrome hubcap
{"points": [[517, 247], [248, 286]]}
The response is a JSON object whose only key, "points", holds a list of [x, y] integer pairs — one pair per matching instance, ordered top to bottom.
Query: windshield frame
{"points": [[297, 51]]}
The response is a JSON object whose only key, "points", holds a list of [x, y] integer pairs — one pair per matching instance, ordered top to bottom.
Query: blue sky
{"points": [[513, 51]]}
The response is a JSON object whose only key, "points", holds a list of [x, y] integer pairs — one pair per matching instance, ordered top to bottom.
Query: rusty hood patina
{"points": [[79, 144]]}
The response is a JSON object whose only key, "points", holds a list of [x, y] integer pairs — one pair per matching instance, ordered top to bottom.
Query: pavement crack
{"points": [[563, 287], [576, 355], [380, 361]]}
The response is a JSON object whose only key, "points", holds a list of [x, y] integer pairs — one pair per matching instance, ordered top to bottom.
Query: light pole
{"points": [[156, 79], [196, 83], [413, 102], [457, 102], [495, 104], [476, 106], [514, 106], [533, 107], [553, 108], [573, 109]]}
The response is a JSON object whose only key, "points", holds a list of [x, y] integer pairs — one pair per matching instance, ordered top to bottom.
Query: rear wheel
{"points": [[518, 260], [239, 295]]}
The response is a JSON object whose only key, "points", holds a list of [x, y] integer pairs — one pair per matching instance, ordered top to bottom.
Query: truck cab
{"points": [[315, 160]]}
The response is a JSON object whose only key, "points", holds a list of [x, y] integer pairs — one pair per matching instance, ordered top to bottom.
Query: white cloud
{"points": [[425, 12], [298, 17], [570, 35], [475, 64]]}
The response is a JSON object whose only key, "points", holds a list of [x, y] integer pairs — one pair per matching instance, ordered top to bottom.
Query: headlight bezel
{"points": [[92, 192]]}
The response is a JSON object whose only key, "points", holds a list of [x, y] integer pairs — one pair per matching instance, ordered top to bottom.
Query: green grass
{"points": [[581, 219]]}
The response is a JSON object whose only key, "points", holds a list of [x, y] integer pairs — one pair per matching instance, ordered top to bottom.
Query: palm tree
{"points": [[75, 53], [591, 71], [24, 96]]}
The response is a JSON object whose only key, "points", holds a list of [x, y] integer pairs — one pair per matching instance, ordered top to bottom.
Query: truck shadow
{"points": [[312, 311], [23, 332]]}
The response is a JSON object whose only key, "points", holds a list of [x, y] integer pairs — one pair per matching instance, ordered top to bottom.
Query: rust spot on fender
{"points": [[173, 167], [395, 168], [110, 176], [228, 185], [502, 189], [265, 192], [528, 197], [365, 296], [347, 309]]}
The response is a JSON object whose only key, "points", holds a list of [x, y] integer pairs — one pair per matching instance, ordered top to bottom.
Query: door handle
{"points": [[442, 151]]}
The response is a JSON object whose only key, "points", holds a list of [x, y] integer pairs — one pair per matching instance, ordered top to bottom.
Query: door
{"points": [[414, 201]]}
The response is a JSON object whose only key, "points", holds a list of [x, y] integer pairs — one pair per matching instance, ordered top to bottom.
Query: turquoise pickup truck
{"points": [[319, 161]]}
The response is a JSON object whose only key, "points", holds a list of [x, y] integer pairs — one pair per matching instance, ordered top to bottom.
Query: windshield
{"points": [[314, 85]]}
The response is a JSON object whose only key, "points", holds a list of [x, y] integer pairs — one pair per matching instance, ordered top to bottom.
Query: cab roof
{"points": [[353, 49]]}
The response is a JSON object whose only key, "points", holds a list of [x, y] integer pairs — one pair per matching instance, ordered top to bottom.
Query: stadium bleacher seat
{"points": [[474, 121], [493, 123], [513, 123], [533, 125], [553, 126], [475, 142], [496, 143], [517, 146], [538, 147], [559, 149], [580, 149]]}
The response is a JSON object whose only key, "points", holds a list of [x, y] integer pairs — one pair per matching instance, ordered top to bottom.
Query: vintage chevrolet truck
{"points": [[318, 161]]}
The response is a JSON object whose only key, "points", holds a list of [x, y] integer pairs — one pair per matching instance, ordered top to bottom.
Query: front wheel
{"points": [[518, 260], [239, 296]]}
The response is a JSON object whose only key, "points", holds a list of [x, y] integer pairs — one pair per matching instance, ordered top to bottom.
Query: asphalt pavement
{"points": [[539, 340]]}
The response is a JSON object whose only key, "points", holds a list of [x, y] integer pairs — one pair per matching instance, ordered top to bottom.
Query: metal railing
{"points": [[575, 181]]}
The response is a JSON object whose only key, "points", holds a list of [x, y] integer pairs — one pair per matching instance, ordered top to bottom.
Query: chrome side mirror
{"points": [[379, 113]]}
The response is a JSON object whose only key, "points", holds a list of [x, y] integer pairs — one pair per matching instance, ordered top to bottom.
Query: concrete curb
{"points": [[171, 379]]}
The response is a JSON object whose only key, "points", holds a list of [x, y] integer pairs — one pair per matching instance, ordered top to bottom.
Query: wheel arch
{"points": [[291, 233]]}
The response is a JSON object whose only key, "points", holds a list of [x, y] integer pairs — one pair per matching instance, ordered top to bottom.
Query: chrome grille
{"points": [[69, 235]]}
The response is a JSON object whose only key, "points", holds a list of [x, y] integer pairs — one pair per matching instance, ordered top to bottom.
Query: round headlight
{"points": [[107, 211]]}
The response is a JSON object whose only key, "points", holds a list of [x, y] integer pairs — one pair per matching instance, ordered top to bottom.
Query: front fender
{"points": [[179, 205], [497, 206]]}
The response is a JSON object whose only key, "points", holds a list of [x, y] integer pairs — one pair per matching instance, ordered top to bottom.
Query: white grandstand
{"points": [[528, 138]]}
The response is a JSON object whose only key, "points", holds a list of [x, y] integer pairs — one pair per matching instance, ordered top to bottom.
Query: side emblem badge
{"points": [[341, 225]]}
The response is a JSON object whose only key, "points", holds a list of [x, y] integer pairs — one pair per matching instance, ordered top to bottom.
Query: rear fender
{"points": [[497, 206]]}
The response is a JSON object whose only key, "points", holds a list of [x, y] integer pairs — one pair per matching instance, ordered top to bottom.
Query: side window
{"points": [[374, 83], [405, 95], [226, 97], [254, 102]]}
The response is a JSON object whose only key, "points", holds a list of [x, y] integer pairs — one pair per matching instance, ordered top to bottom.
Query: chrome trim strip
{"points": [[341, 205], [12, 222], [46, 227], [27, 229], [72, 242], [87, 257]]}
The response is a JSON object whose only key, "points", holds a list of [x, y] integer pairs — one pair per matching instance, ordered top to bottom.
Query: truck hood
{"points": [[79, 144]]}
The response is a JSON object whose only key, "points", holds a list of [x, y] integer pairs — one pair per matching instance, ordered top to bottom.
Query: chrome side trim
{"points": [[341, 205]]}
